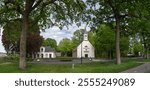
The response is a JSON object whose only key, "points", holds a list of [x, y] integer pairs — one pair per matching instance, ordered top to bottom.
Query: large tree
{"points": [[46, 12], [115, 12], [11, 37]]}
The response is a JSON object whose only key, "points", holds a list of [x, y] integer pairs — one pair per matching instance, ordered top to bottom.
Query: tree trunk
{"points": [[25, 25], [118, 40], [145, 47], [146, 51], [22, 63]]}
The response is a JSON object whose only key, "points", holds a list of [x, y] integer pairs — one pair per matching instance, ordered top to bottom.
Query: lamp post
{"points": [[81, 46], [81, 51]]}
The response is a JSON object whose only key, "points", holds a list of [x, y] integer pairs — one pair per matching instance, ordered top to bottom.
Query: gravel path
{"points": [[144, 68]]}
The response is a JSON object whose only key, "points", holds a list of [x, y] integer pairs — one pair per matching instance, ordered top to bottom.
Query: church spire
{"points": [[85, 35]]}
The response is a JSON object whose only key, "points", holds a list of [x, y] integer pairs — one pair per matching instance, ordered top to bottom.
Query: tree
{"points": [[111, 11], [47, 13], [140, 30], [11, 37], [77, 37], [104, 41], [34, 42], [50, 42], [124, 45], [65, 46], [137, 47]]}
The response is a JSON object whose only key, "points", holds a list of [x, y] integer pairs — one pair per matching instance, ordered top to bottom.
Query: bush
{"points": [[9, 58], [65, 58], [29, 59]]}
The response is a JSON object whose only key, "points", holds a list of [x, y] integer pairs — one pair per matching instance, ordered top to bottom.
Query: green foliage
{"points": [[47, 13], [11, 37], [77, 37], [91, 37], [104, 41], [50, 42], [124, 45], [65, 46], [137, 47], [10, 59], [65, 59]]}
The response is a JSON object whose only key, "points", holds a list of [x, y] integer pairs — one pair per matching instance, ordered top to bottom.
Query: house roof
{"points": [[49, 49]]}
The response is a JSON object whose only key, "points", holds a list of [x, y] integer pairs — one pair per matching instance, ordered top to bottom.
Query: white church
{"points": [[85, 49]]}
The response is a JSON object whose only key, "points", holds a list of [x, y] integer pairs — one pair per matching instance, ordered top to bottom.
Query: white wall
{"points": [[89, 48], [46, 54]]}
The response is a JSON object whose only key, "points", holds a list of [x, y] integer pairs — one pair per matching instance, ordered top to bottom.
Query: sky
{"points": [[54, 33]]}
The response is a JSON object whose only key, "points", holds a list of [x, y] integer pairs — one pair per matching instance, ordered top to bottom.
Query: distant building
{"points": [[84, 49], [46, 52]]}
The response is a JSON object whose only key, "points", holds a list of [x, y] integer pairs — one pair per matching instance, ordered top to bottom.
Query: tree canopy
{"points": [[46, 13], [11, 37], [50, 42], [65, 46]]}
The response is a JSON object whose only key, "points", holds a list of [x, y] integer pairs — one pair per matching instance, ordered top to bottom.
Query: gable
{"points": [[85, 44], [46, 49]]}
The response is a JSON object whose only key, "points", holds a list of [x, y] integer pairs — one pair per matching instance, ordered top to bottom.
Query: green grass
{"points": [[94, 67]]}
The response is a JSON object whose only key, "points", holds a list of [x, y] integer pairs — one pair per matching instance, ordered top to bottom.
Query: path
{"points": [[75, 61], [144, 68]]}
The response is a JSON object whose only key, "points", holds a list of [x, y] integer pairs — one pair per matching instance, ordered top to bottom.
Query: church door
{"points": [[42, 55], [50, 55], [86, 55]]}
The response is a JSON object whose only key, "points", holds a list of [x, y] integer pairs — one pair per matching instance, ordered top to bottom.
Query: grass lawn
{"points": [[94, 67]]}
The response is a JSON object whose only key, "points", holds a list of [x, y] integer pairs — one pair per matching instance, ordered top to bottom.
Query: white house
{"points": [[84, 49], [46, 52]]}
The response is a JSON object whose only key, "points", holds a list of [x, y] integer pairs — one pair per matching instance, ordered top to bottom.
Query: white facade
{"points": [[84, 49], [46, 52]]}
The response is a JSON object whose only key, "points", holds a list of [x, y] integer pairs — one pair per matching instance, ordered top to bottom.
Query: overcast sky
{"points": [[55, 33]]}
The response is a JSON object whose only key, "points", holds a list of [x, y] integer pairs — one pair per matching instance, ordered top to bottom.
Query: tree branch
{"points": [[36, 4]]}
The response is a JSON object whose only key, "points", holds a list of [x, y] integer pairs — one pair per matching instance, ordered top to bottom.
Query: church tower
{"points": [[85, 36], [85, 49]]}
